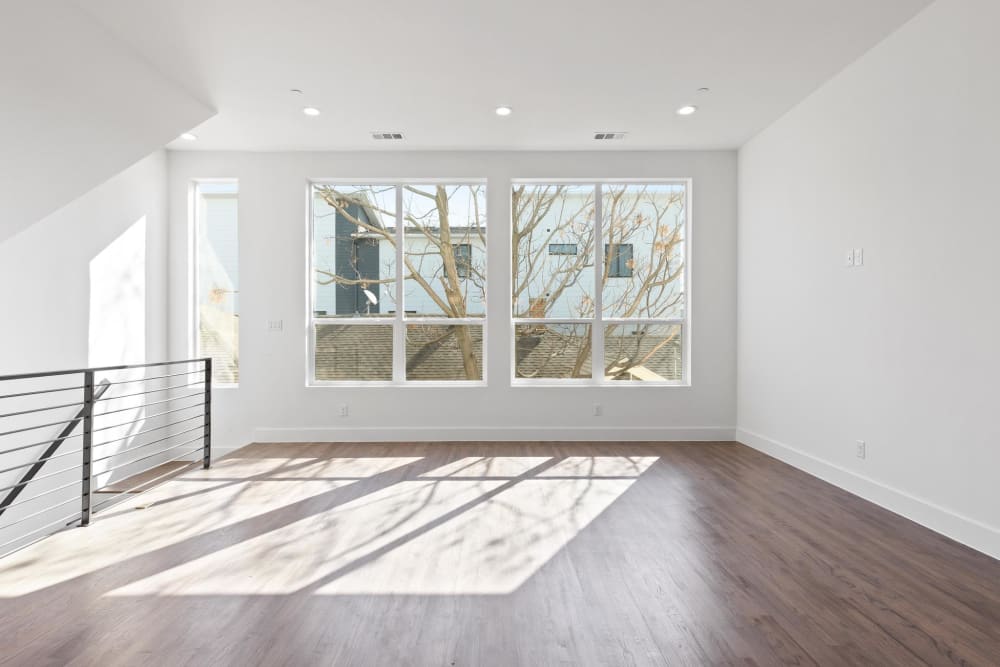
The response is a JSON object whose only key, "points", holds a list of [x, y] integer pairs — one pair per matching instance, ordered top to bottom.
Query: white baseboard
{"points": [[494, 434], [971, 532]]}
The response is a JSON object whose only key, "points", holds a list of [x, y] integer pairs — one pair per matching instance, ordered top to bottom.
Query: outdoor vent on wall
{"points": [[391, 136], [602, 136]]}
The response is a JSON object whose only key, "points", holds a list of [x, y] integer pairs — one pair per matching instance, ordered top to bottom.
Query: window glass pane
{"points": [[563, 249], [354, 250], [444, 250], [644, 251], [463, 259], [619, 259], [218, 278], [546, 283], [548, 350], [353, 352], [444, 352], [643, 352]]}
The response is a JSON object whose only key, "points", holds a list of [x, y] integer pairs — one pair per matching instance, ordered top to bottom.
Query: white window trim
{"points": [[194, 306], [398, 320], [597, 330]]}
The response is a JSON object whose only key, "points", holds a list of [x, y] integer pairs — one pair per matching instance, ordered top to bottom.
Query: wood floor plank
{"points": [[505, 554]]}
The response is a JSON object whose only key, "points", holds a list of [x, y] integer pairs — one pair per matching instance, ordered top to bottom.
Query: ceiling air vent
{"points": [[387, 136], [604, 136]]}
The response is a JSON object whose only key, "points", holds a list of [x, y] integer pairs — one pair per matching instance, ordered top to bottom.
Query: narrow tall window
{"points": [[398, 282], [217, 284], [623, 322]]}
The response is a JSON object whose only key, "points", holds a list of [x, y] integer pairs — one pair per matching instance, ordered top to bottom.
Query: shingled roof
{"points": [[552, 351], [364, 352]]}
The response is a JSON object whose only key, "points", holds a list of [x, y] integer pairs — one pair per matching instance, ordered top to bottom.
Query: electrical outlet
{"points": [[859, 257], [849, 258], [597, 409], [345, 410], [861, 449]]}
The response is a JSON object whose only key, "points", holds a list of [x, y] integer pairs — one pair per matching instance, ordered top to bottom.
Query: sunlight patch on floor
{"points": [[235, 490], [477, 525]]}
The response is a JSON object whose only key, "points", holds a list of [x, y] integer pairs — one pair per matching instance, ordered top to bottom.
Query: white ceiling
{"points": [[435, 70]]}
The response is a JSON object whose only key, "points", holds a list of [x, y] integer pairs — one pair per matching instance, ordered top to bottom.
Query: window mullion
{"points": [[597, 329], [399, 330]]}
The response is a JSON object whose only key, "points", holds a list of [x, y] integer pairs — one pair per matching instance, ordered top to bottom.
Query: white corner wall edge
{"points": [[496, 434], [970, 532]]}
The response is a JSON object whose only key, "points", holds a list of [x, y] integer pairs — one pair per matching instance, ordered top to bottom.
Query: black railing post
{"points": [[88, 442], [207, 456]]}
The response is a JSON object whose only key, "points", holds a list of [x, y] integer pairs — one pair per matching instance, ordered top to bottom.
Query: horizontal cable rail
{"points": [[99, 369], [155, 377], [40, 391], [152, 391], [149, 403], [50, 407], [148, 417], [148, 430], [35, 444], [148, 444], [149, 456], [42, 459], [75, 482], [33, 488], [65, 522]]}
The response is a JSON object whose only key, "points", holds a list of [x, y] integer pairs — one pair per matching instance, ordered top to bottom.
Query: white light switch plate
{"points": [[859, 257], [849, 258], [275, 325]]}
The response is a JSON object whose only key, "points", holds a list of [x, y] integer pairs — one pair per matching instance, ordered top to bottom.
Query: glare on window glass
{"points": [[218, 279]]}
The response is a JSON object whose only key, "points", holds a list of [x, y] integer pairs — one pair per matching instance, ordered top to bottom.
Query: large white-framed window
{"points": [[397, 282], [624, 323], [216, 331]]}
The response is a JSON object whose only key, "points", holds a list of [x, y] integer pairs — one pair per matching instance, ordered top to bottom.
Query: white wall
{"points": [[76, 107], [898, 155], [106, 251], [86, 286], [273, 402]]}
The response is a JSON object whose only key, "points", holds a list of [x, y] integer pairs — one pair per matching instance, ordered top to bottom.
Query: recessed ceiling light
{"points": [[504, 110], [686, 110], [310, 111], [187, 136]]}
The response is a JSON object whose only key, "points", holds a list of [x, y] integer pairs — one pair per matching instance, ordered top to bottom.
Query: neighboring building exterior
{"points": [[340, 248]]}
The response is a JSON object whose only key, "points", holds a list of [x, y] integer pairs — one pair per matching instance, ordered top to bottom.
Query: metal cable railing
{"points": [[115, 402]]}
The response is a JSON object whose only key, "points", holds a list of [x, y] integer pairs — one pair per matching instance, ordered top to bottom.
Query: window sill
{"points": [[429, 384], [566, 384]]}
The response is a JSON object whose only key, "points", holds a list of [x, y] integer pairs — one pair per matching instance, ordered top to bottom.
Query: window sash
{"points": [[200, 194], [399, 318], [598, 322]]}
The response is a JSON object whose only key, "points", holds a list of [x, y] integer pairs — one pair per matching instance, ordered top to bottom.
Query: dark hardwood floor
{"points": [[499, 554]]}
